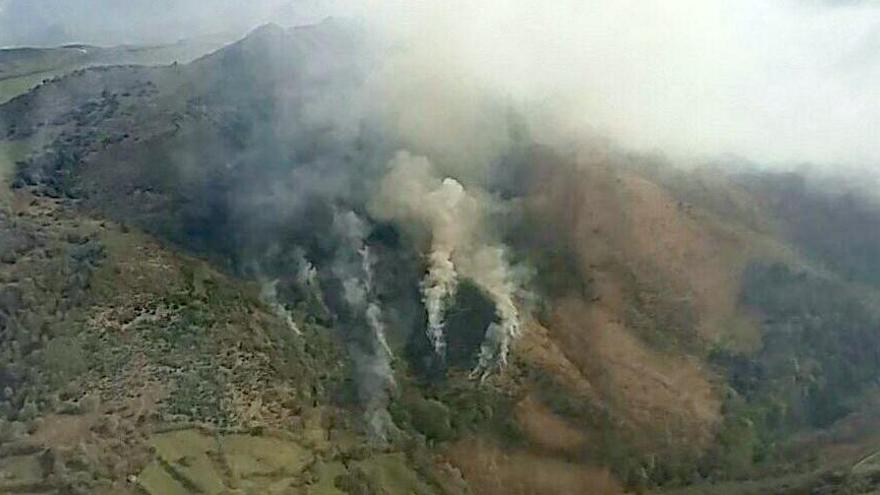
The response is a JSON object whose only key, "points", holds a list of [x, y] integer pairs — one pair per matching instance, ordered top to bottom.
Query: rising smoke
{"points": [[693, 76], [411, 125], [416, 153], [451, 223], [269, 295], [363, 319]]}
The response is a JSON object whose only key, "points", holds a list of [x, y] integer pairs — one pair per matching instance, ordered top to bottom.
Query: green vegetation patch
{"points": [[15, 86], [10, 153], [819, 356], [189, 453], [250, 456], [192, 461], [20, 470], [390, 472], [326, 474], [155, 479]]}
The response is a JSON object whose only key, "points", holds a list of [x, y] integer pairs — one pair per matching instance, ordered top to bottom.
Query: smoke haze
{"points": [[788, 81], [774, 82], [406, 120]]}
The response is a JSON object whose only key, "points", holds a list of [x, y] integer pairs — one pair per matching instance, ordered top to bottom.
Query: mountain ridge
{"points": [[655, 356]]}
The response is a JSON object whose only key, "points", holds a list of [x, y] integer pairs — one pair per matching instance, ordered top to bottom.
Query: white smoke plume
{"points": [[436, 212], [452, 222], [491, 272], [307, 274], [307, 281], [438, 287], [269, 295], [373, 313], [374, 319], [372, 355], [379, 381]]}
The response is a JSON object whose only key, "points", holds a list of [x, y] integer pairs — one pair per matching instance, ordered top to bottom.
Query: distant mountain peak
{"points": [[268, 29], [267, 33]]}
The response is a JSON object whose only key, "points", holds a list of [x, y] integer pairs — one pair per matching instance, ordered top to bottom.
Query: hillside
{"points": [[22, 69], [212, 282]]}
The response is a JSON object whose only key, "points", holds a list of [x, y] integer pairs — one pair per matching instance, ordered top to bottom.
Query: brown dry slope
{"points": [[649, 270], [639, 286], [492, 470]]}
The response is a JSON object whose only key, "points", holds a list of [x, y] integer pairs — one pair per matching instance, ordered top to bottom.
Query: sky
{"points": [[778, 81]]}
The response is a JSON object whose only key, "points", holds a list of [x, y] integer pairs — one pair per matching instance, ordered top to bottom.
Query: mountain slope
{"points": [[22, 69], [683, 328]]}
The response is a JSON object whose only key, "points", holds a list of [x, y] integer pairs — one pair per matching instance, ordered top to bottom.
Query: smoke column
{"points": [[435, 212], [455, 221], [307, 274], [493, 275], [441, 280], [307, 281], [437, 288], [269, 295], [373, 313], [371, 354], [379, 380]]}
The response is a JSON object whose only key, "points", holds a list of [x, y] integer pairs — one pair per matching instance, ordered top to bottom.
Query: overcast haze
{"points": [[108, 22], [778, 82]]}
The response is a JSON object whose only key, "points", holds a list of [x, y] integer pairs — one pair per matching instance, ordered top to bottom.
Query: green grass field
{"points": [[15, 86], [10, 152]]}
